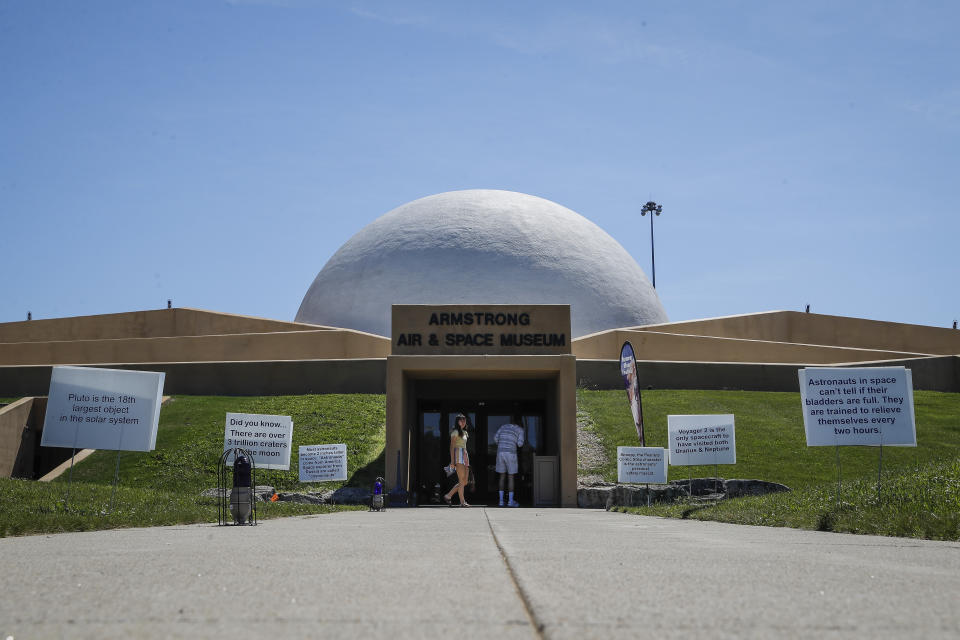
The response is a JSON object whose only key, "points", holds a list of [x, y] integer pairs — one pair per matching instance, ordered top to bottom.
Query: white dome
{"points": [[481, 247]]}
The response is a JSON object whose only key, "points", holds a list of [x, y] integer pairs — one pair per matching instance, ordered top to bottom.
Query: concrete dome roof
{"points": [[481, 247]]}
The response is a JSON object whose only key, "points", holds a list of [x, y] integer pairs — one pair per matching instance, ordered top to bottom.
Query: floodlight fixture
{"points": [[652, 208]]}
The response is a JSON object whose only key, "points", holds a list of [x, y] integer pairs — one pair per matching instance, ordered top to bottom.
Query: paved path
{"points": [[490, 573]]}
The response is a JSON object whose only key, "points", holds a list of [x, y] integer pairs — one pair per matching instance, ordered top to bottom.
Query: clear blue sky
{"points": [[218, 153]]}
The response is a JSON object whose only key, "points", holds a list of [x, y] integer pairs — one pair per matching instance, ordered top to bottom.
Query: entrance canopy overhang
{"points": [[490, 348]]}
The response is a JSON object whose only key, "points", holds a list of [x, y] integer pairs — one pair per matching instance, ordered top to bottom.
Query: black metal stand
{"points": [[225, 486]]}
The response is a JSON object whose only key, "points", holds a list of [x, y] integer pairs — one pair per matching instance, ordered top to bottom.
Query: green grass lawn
{"points": [[190, 441], [771, 444], [921, 485], [163, 486], [919, 491], [919, 503], [29, 507]]}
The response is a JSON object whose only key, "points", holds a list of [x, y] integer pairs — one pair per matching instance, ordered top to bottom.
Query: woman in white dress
{"points": [[459, 459]]}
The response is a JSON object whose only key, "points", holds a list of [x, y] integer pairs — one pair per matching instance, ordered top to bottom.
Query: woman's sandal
{"points": [[447, 500], [464, 504]]}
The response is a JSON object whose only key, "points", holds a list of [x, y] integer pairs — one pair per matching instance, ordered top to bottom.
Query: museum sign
{"points": [[501, 329]]}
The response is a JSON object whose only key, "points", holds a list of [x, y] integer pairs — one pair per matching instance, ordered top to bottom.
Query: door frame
{"points": [[556, 372], [428, 482]]}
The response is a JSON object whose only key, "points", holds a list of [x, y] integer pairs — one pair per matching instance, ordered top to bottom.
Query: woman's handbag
{"points": [[450, 470]]}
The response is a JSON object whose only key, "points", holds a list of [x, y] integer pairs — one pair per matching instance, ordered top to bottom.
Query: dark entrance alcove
{"points": [[487, 405]]}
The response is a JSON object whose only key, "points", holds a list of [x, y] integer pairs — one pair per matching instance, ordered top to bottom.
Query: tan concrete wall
{"points": [[195, 322], [142, 324], [819, 329], [162, 336], [293, 345], [653, 345], [562, 368], [934, 373], [292, 377], [257, 378], [21, 431], [14, 456]]}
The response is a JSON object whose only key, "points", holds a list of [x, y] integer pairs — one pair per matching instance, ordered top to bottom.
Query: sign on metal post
{"points": [[858, 406], [867, 406], [90, 408], [93, 408], [268, 438], [702, 439], [323, 462], [642, 465]]}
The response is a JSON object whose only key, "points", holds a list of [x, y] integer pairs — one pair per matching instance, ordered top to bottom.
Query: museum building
{"points": [[491, 303]]}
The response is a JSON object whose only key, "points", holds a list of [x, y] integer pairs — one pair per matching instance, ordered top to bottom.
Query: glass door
{"points": [[436, 420], [531, 422], [429, 455]]}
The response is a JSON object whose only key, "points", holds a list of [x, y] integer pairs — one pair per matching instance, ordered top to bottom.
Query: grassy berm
{"points": [[163, 486], [919, 492]]}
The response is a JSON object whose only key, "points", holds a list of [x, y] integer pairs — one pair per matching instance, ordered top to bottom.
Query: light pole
{"points": [[652, 208]]}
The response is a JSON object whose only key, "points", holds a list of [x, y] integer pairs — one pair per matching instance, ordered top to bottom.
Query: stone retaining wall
{"points": [[608, 495]]}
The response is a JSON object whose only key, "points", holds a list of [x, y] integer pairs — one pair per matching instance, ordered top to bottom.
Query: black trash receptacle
{"points": [[241, 495]]}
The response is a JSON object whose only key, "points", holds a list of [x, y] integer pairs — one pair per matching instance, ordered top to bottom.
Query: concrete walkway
{"points": [[490, 573]]}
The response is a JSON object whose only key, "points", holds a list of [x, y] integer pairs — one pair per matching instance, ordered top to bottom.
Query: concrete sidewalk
{"points": [[492, 573]]}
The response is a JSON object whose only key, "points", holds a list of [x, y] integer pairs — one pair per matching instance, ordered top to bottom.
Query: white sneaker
{"points": [[512, 503]]}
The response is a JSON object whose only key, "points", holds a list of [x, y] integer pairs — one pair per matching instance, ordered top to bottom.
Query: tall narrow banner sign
{"points": [[628, 369]]}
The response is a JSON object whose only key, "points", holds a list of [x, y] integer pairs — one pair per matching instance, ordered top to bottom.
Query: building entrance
{"points": [[435, 421]]}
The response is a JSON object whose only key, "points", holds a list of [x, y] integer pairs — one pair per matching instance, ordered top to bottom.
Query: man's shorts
{"points": [[506, 462]]}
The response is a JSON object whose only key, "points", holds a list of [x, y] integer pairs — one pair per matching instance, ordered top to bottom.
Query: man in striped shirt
{"points": [[509, 438]]}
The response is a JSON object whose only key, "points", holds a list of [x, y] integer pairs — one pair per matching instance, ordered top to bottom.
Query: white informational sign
{"points": [[858, 406], [90, 408], [267, 438], [706, 439], [323, 462], [642, 465]]}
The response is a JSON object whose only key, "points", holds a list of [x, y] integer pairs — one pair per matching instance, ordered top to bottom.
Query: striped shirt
{"points": [[509, 438]]}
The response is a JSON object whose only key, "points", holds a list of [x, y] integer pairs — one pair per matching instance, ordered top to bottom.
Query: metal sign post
{"points": [[73, 455], [880, 468], [116, 471], [839, 475], [116, 480], [66, 500]]}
